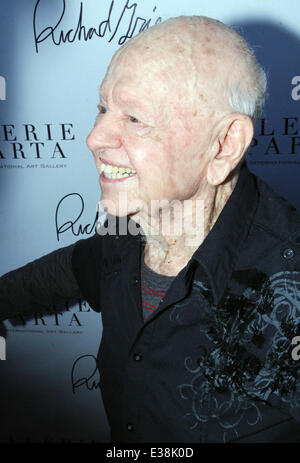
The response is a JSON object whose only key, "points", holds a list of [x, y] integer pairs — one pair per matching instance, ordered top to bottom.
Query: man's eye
{"points": [[102, 109], [133, 119]]}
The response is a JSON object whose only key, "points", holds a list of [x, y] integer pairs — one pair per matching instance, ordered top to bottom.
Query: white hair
{"points": [[246, 92]]}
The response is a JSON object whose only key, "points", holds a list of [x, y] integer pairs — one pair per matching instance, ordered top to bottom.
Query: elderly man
{"points": [[198, 322]]}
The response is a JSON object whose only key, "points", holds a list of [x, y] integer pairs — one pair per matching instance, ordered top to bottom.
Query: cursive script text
{"points": [[108, 28], [79, 229], [86, 363]]}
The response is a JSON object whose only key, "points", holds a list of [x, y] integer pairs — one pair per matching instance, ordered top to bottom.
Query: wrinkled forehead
{"points": [[143, 60], [183, 63], [142, 73], [153, 73]]}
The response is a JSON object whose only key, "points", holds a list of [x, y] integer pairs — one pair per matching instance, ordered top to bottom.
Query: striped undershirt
{"points": [[153, 288]]}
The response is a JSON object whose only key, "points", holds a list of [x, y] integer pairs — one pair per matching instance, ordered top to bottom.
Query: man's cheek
{"points": [[144, 132]]}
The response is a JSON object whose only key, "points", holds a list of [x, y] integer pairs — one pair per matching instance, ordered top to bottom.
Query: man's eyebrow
{"points": [[102, 98], [129, 101], [132, 102], [101, 103]]}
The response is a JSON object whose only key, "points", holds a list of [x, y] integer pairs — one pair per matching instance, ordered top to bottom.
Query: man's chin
{"points": [[121, 206]]}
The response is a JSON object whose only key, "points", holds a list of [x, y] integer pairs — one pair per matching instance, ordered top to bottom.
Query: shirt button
{"points": [[298, 240], [288, 253], [138, 357], [130, 427]]}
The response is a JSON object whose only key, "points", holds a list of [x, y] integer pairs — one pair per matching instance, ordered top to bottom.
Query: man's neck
{"points": [[173, 236]]}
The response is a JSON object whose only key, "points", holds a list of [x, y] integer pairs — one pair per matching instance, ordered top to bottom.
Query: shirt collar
{"points": [[220, 250]]}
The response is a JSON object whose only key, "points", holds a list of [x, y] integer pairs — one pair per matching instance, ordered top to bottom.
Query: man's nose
{"points": [[105, 134]]}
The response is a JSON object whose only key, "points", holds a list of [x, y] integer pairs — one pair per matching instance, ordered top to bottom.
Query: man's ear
{"points": [[233, 137]]}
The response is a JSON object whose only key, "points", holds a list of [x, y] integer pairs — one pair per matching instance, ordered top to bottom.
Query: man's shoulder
{"points": [[276, 214], [274, 237], [89, 252], [101, 255]]}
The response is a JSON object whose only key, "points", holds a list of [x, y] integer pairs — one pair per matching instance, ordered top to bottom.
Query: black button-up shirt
{"points": [[214, 362]]}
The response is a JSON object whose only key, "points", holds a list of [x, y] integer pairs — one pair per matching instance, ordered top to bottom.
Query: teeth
{"points": [[115, 172]]}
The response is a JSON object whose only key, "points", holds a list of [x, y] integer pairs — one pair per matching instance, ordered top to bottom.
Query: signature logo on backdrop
{"points": [[120, 24], [35, 142], [276, 143], [67, 215], [67, 317], [85, 373]]}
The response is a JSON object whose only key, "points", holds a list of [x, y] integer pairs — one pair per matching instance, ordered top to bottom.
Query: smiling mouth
{"points": [[116, 173]]}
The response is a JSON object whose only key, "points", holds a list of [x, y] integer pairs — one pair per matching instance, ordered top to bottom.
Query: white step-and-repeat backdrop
{"points": [[54, 54]]}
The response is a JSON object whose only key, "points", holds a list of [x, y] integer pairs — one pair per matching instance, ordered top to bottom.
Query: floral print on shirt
{"points": [[245, 364]]}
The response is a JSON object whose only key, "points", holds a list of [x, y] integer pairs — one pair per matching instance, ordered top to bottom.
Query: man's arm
{"points": [[39, 284]]}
